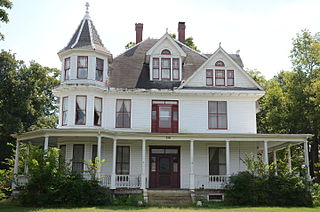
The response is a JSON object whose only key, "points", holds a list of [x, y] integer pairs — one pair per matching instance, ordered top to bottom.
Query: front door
{"points": [[164, 167]]}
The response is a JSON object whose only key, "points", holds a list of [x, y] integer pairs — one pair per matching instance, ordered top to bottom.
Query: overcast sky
{"points": [[261, 30]]}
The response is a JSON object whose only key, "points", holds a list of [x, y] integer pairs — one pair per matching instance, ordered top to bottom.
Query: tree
{"points": [[3, 14], [130, 44], [26, 99]]}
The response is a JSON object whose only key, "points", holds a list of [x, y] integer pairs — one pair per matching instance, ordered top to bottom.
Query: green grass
{"points": [[6, 206]]}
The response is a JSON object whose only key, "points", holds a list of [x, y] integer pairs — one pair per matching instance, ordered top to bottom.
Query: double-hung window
{"points": [[82, 67], [66, 68], [155, 68], [165, 68], [175, 68], [99, 69], [209, 77], [220, 77], [230, 78], [81, 104], [64, 110], [97, 111], [123, 113], [217, 115], [94, 152], [78, 158], [123, 160], [217, 160]]}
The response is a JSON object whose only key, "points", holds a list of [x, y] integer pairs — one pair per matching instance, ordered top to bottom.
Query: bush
{"points": [[316, 195], [128, 199]]}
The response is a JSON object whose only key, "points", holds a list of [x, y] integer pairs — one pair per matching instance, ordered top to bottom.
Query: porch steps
{"points": [[169, 197]]}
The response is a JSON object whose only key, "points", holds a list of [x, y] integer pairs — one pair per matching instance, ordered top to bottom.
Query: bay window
{"points": [[66, 68], [82, 68], [99, 69], [81, 104], [64, 111], [97, 111], [123, 113], [217, 115]]}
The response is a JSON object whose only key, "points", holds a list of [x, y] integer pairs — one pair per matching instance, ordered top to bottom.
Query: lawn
{"points": [[6, 206]]}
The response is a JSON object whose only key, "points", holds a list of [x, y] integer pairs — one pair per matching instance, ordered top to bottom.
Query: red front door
{"points": [[164, 116], [164, 167]]}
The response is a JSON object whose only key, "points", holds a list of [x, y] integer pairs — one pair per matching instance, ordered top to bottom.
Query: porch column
{"points": [[46, 143], [265, 151], [99, 154], [114, 157], [227, 158], [289, 158], [306, 158], [16, 159], [275, 161], [143, 164], [26, 168], [192, 177]]}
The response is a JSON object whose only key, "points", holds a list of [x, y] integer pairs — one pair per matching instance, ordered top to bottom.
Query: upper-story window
{"points": [[219, 63], [165, 66], [82, 67], [66, 68], [99, 69], [219, 76], [209, 77], [230, 77], [81, 106], [64, 110], [97, 111], [123, 113], [217, 115]]}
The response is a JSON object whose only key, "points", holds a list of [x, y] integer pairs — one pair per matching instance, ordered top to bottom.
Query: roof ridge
{"points": [[199, 53]]}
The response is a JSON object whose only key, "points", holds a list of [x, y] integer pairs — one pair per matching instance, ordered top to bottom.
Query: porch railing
{"points": [[21, 180], [105, 180], [128, 181], [211, 181]]}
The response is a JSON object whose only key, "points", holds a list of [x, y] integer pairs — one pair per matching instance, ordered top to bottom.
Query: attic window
{"points": [[166, 52], [219, 63]]}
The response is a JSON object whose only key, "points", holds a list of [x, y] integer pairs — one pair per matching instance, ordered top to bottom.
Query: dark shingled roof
{"points": [[88, 37]]}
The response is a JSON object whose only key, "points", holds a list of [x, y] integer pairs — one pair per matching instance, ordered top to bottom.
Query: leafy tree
{"points": [[4, 4], [130, 44], [26, 99]]}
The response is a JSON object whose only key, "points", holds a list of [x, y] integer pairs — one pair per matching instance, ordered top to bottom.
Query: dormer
{"points": [[85, 59], [165, 60]]}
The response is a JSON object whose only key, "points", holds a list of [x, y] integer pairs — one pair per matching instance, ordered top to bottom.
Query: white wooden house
{"points": [[160, 114]]}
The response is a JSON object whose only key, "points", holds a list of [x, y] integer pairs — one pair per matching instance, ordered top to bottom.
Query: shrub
{"points": [[316, 195], [128, 199]]}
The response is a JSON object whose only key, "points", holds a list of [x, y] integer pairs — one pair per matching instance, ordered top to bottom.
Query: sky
{"points": [[261, 29]]}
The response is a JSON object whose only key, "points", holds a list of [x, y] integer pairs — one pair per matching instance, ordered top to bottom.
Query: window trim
{"points": [[78, 66], [99, 69], [230, 71], [66, 76], [208, 77], [216, 77], [96, 97], [85, 110], [64, 111], [123, 113], [226, 128], [129, 146]]}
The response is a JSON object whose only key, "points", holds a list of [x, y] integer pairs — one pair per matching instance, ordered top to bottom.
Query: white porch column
{"points": [[46, 143], [265, 151], [99, 154], [114, 157], [227, 158], [289, 158], [306, 158], [16, 159], [275, 162], [143, 164], [26, 168], [192, 177]]}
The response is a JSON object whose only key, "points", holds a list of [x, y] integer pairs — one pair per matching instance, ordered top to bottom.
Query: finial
{"points": [[87, 6], [167, 30], [219, 44]]}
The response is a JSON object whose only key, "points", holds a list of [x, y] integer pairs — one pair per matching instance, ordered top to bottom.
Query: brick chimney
{"points": [[139, 28], [181, 32]]}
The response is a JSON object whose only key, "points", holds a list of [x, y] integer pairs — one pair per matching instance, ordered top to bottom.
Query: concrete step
{"points": [[169, 197]]}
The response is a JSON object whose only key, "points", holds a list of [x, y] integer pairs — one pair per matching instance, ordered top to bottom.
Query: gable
{"points": [[241, 78]]}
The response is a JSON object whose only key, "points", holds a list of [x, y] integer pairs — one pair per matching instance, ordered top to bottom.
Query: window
{"points": [[166, 52], [219, 63], [82, 67], [66, 68], [155, 68], [165, 68], [175, 68], [99, 69], [209, 77], [220, 78], [230, 78], [81, 104], [64, 111], [97, 111], [123, 113], [217, 115], [63, 152], [94, 152], [78, 158], [123, 160], [217, 160]]}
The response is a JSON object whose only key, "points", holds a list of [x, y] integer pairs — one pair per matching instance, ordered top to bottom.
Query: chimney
{"points": [[139, 28], [181, 32]]}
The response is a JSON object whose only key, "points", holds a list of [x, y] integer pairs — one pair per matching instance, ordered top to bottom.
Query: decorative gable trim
{"points": [[166, 36], [220, 49]]}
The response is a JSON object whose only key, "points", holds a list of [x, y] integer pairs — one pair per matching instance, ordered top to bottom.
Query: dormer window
{"points": [[166, 52], [219, 63], [82, 67], [66, 68], [165, 68], [155, 70], [219, 76]]}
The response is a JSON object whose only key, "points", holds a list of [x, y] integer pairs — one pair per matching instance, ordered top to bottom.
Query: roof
{"points": [[85, 37], [129, 70]]}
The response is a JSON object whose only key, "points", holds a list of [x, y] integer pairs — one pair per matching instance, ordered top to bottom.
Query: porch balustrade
{"points": [[128, 181], [211, 181]]}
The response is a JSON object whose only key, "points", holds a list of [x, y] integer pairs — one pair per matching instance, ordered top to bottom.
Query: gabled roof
{"points": [[85, 37]]}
